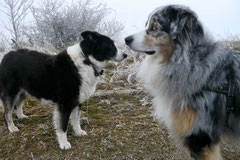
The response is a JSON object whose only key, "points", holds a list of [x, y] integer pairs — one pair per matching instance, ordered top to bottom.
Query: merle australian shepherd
{"points": [[66, 79], [194, 81]]}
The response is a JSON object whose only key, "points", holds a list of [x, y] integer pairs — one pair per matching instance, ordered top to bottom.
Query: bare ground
{"points": [[120, 128]]}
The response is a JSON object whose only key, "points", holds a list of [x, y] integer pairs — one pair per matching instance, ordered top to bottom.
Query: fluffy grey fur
{"points": [[197, 65]]}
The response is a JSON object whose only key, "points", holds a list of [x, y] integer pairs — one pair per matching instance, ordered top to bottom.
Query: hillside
{"points": [[118, 121]]}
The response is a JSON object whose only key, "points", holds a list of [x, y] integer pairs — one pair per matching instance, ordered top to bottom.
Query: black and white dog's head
{"points": [[168, 28], [100, 48]]}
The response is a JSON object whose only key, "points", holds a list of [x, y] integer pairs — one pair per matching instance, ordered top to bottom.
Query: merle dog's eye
{"points": [[154, 28]]}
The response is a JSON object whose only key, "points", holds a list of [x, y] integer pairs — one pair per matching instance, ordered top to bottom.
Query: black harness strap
{"points": [[222, 90], [229, 90], [231, 93]]}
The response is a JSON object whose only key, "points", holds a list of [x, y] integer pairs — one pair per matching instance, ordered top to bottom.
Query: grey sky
{"points": [[220, 17]]}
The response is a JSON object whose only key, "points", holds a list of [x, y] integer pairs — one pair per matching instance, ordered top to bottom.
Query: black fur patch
{"points": [[99, 46], [43, 76], [218, 116], [196, 143]]}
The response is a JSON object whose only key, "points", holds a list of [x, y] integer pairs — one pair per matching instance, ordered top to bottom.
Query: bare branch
{"points": [[16, 10], [61, 23]]}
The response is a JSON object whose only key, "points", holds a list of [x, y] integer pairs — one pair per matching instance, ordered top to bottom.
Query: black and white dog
{"points": [[66, 79], [195, 82]]}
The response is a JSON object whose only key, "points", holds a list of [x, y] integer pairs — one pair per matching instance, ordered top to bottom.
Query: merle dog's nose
{"points": [[128, 40], [124, 55]]}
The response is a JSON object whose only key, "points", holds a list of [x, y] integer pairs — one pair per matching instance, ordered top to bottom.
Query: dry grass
{"points": [[120, 127]]}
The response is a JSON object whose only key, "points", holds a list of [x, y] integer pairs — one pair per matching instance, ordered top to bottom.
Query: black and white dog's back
{"points": [[67, 79]]}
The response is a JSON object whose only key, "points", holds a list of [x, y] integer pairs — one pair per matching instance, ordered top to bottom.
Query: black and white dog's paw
{"points": [[21, 116], [13, 128], [80, 133], [65, 145]]}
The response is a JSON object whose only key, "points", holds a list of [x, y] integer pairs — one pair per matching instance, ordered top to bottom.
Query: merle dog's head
{"points": [[167, 29], [100, 48]]}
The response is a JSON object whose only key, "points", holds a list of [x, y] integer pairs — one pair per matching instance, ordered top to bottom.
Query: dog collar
{"points": [[88, 62]]}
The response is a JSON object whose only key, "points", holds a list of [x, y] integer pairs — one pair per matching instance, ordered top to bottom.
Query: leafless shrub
{"points": [[15, 10], [61, 23], [111, 28], [232, 42], [3, 43]]}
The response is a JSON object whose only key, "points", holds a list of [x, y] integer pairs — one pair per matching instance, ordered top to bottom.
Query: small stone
{"points": [[84, 121], [118, 126]]}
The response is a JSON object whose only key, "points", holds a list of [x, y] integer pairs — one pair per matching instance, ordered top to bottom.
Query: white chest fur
{"points": [[86, 72], [150, 74], [89, 82]]}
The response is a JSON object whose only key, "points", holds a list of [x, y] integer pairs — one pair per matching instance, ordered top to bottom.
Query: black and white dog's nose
{"points": [[128, 40], [124, 55]]}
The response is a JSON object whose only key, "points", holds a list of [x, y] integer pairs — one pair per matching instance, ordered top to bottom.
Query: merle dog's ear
{"points": [[187, 24], [177, 27], [88, 35]]}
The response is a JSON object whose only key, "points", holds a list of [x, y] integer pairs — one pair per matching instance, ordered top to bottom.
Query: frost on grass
{"points": [[231, 42], [117, 118]]}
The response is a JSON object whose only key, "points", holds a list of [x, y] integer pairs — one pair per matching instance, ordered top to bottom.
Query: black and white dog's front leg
{"points": [[60, 119], [75, 121]]}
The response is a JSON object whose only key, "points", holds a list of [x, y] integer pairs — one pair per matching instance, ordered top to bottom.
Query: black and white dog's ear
{"points": [[89, 35]]}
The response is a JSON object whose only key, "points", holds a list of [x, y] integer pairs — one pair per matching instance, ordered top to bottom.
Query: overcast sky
{"points": [[221, 17]]}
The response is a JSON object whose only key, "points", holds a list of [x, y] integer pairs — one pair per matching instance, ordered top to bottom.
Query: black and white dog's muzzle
{"points": [[120, 56]]}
